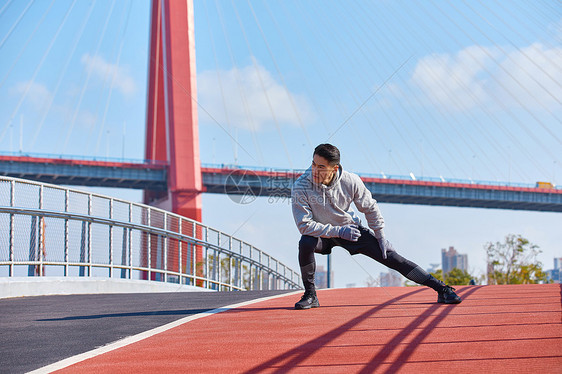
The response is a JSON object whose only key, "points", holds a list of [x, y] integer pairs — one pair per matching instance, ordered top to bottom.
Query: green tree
{"points": [[514, 262], [438, 275], [455, 277]]}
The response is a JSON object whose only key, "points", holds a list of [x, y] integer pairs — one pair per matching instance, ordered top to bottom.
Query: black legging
{"points": [[367, 245]]}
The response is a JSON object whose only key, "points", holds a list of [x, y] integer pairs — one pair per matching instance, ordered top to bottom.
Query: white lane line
{"points": [[147, 334]]}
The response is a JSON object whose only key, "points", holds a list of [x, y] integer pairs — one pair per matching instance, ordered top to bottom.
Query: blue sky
{"points": [[468, 90]]}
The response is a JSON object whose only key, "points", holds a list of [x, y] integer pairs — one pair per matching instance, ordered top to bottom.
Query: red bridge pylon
{"points": [[172, 133]]}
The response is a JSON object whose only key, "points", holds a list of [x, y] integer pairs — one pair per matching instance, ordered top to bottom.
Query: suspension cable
{"points": [[5, 6], [126, 14], [15, 23], [474, 59], [16, 60], [61, 75], [238, 79], [219, 80], [32, 81], [262, 85], [82, 92], [509, 92], [290, 97], [539, 102], [440, 108], [468, 114]]}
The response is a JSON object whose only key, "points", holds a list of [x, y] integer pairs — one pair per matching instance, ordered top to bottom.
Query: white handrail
{"points": [[54, 230]]}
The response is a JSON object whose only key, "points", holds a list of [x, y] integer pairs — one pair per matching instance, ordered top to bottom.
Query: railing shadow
{"points": [[178, 312], [407, 331], [298, 354]]}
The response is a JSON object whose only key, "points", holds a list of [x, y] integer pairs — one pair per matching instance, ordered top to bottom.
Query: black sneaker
{"points": [[448, 296], [308, 300]]}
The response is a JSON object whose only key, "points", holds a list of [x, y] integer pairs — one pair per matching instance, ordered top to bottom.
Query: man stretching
{"points": [[321, 200]]}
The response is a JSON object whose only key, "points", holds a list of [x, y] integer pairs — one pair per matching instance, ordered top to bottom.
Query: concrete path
{"points": [[37, 331]]}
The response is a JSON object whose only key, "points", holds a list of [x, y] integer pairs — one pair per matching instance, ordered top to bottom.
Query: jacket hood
{"points": [[335, 181]]}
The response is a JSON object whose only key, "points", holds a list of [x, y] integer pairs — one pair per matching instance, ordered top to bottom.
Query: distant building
{"points": [[451, 259], [489, 271], [554, 274], [321, 277], [390, 279]]}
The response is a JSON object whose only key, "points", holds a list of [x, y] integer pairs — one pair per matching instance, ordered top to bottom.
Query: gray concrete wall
{"points": [[38, 286]]}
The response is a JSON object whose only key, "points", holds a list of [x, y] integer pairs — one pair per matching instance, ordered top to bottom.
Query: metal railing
{"points": [[48, 230]]}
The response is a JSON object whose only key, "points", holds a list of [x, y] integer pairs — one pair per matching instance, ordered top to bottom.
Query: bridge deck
{"points": [[277, 183], [496, 328]]}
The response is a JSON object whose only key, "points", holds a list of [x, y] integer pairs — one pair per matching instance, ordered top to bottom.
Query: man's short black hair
{"points": [[329, 152]]}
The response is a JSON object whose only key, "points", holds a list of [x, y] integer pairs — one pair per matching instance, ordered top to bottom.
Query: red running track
{"points": [[512, 329]]}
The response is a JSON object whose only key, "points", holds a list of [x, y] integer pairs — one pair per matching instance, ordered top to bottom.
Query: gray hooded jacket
{"points": [[321, 210]]}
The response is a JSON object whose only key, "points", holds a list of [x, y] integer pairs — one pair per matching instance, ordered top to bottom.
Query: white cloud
{"points": [[105, 70], [479, 76], [532, 76], [454, 81], [37, 94], [248, 94]]}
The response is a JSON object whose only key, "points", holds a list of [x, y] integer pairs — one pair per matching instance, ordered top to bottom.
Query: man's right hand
{"points": [[350, 232]]}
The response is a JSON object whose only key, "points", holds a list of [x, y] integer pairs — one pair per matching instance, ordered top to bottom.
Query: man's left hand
{"points": [[385, 246]]}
